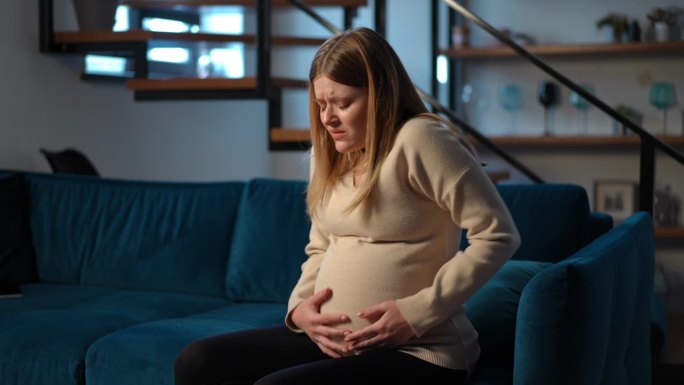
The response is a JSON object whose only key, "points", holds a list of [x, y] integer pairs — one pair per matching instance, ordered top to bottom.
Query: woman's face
{"points": [[342, 110]]}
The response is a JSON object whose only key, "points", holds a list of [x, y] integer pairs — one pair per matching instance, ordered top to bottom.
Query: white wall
{"points": [[44, 104]]}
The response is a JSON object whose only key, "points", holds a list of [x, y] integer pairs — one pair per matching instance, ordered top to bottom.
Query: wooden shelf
{"points": [[246, 3], [143, 36], [570, 50], [298, 135], [578, 141], [669, 232]]}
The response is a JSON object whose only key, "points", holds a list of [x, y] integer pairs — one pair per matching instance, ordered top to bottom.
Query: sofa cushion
{"points": [[553, 219], [272, 229], [133, 235], [17, 257], [597, 301], [493, 309], [45, 342], [146, 354]]}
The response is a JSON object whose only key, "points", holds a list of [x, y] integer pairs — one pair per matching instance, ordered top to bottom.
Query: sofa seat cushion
{"points": [[271, 231], [159, 236], [493, 309], [45, 339], [146, 353]]}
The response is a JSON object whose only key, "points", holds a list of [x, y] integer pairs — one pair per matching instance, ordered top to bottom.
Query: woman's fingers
{"points": [[320, 297], [389, 328]]}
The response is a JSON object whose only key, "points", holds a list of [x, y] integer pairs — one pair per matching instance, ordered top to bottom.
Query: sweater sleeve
{"points": [[443, 169], [315, 250]]}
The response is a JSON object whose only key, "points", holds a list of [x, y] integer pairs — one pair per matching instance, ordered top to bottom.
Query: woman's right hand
{"points": [[320, 327]]}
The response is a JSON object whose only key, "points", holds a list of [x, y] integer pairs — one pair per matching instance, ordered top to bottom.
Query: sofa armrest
{"points": [[597, 225], [587, 318]]}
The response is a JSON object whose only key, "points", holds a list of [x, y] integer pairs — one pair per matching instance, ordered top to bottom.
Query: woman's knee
{"points": [[193, 363]]}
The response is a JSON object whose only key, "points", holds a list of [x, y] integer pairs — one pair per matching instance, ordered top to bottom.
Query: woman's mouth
{"points": [[337, 134]]}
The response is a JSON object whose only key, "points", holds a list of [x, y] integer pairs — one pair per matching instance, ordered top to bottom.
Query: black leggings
{"points": [[276, 355]]}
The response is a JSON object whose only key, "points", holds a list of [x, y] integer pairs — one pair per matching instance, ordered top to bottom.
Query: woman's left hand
{"points": [[388, 328]]}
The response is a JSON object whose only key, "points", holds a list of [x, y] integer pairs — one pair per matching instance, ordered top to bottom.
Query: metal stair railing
{"points": [[468, 129], [649, 143]]}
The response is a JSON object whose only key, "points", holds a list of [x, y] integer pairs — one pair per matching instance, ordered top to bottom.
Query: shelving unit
{"points": [[463, 58]]}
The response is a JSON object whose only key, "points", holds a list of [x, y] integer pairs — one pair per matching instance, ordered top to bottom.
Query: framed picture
{"points": [[617, 198]]}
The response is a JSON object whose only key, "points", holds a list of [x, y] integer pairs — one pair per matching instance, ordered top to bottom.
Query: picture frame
{"points": [[617, 198]]}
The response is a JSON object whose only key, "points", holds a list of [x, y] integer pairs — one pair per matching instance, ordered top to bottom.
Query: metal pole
{"points": [[434, 7], [380, 16], [46, 25], [263, 38], [646, 175]]}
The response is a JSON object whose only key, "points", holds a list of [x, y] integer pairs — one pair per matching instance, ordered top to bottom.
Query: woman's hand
{"points": [[320, 327], [388, 328]]}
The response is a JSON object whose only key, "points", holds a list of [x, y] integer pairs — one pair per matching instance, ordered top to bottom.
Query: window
{"points": [[176, 58], [110, 65]]}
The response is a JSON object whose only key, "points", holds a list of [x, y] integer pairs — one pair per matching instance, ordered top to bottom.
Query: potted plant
{"points": [[95, 14], [661, 21], [617, 22]]}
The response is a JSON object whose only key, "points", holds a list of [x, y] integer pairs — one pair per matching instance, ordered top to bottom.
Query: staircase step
{"points": [[246, 3], [144, 36], [289, 83], [191, 84], [209, 84], [290, 135]]}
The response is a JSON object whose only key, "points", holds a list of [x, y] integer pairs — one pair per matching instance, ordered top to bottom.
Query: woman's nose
{"points": [[327, 116]]}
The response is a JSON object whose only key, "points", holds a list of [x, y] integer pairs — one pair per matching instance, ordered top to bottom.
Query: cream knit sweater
{"points": [[404, 244]]}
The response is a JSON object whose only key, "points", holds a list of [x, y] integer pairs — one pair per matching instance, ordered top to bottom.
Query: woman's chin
{"points": [[344, 147]]}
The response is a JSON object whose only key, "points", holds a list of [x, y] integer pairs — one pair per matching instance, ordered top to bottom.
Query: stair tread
{"points": [[247, 3], [143, 36], [191, 84], [197, 84], [290, 135]]}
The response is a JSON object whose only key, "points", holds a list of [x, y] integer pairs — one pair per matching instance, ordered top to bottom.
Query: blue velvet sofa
{"points": [[130, 272]]}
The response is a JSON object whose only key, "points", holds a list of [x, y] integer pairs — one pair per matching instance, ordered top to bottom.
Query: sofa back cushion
{"points": [[553, 219], [271, 231], [133, 235]]}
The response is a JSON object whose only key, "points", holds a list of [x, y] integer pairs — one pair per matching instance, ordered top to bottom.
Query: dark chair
{"points": [[69, 161]]}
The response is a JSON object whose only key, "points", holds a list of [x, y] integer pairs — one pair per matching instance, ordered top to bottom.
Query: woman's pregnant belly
{"points": [[362, 274]]}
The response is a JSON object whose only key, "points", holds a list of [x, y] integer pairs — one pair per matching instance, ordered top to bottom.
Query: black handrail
{"points": [[437, 106], [648, 141]]}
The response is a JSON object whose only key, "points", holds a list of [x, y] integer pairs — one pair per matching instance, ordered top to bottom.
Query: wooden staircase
{"points": [[134, 44]]}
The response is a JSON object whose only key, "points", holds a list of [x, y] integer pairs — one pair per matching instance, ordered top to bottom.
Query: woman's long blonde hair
{"points": [[360, 58]]}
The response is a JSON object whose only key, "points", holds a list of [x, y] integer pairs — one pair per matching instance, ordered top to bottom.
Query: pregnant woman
{"points": [[381, 295]]}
